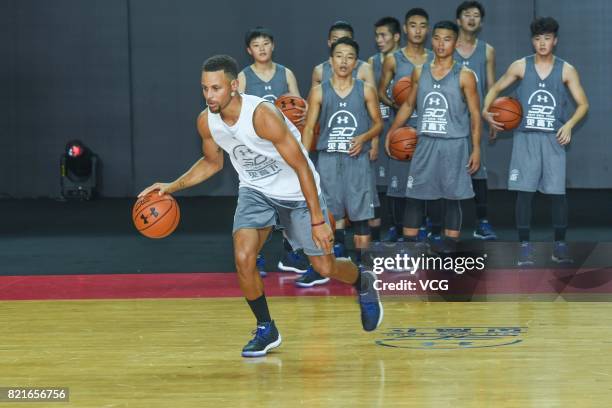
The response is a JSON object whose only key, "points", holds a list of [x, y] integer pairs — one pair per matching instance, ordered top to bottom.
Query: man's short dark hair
{"points": [[468, 5], [417, 11], [391, 23], [341, 25], [446, 25], [544, 25], [256, 32], [345, 41], [223, 63]]}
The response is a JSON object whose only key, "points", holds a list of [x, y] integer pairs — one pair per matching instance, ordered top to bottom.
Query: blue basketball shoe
{"points": [[266, 338]]}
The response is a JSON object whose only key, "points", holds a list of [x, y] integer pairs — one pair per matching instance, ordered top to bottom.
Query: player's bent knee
{"points": [[244, 260], [323, 264]]}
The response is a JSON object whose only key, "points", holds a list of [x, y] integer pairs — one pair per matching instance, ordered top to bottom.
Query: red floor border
{"points": [[211, 285]]}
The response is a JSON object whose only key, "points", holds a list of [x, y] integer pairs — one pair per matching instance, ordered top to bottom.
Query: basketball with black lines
{"points": [[401, 89], [289, 105], [509, 112], [402, 142], [156, 216]]}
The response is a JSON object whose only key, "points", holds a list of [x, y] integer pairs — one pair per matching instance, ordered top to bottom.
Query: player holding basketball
{"points": [[388, 35], [478, 56], [397, 65], [269, 80], [447, 96], [348, 112], [539, 143], [278, 185]]}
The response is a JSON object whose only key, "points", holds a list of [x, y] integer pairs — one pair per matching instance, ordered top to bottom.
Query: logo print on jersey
{"points": [[269, 98], [541, 111], [435, 113], [342, 126], [255, 166]]}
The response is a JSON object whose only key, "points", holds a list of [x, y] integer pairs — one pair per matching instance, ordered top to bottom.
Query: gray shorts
{"points": [[537, 163], [438, 170], [481, 174], [398, 177], [347, 185], [255, 211]]}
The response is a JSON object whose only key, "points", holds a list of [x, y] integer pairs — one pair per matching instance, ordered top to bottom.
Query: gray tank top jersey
{"points": [[477, 62], [377, 64], [403, 67], [327, 70], [270, 90], [543, 101], [444, 112], [341, 119]]}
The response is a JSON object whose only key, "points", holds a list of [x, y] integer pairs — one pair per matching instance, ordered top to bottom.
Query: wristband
{"points": [[317, 224]]}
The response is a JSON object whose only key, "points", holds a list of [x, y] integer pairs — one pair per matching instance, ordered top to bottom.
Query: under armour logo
{"points": [[466, 62], [542, 85], [436, 86], [268, 87], [542, 98], [434, 101], [342, 104], [342, 119], [145, 219]]}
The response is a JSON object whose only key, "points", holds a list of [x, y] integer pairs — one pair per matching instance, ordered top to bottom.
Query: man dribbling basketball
{"points": [[447, 97], [538, 149], [278, 186]]}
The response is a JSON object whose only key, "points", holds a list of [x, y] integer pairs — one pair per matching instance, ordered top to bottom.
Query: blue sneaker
{"points": [[484, 231], [392, 235], [561, 253], [525, 254], [293, 261], [261, 265], [310, 279], [369, 302], [266, 338]]}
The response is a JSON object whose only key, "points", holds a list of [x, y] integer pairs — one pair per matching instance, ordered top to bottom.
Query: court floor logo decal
{"points": [[448, 338]]}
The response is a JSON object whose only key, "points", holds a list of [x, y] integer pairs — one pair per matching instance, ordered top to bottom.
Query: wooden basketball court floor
{"points": [[139, 341]]}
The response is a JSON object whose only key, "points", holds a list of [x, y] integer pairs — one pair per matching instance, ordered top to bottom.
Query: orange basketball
{"points": [[401, 89], [288, 104], [509, 111], [402, 142], [156, 216]]}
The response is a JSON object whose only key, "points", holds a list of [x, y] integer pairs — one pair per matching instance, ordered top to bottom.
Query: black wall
{"points": [[123, 76]]}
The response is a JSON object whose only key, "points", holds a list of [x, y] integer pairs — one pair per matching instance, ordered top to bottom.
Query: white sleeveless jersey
{"points": [[258, 163]]}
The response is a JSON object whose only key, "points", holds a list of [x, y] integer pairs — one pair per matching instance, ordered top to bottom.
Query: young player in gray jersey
{"points": [[388, 35], [478, 56], [399, 64], [323, 71], [264, 77], [269, 80], [447, 97], [349, 116], [538, 150], [278, 186]]}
